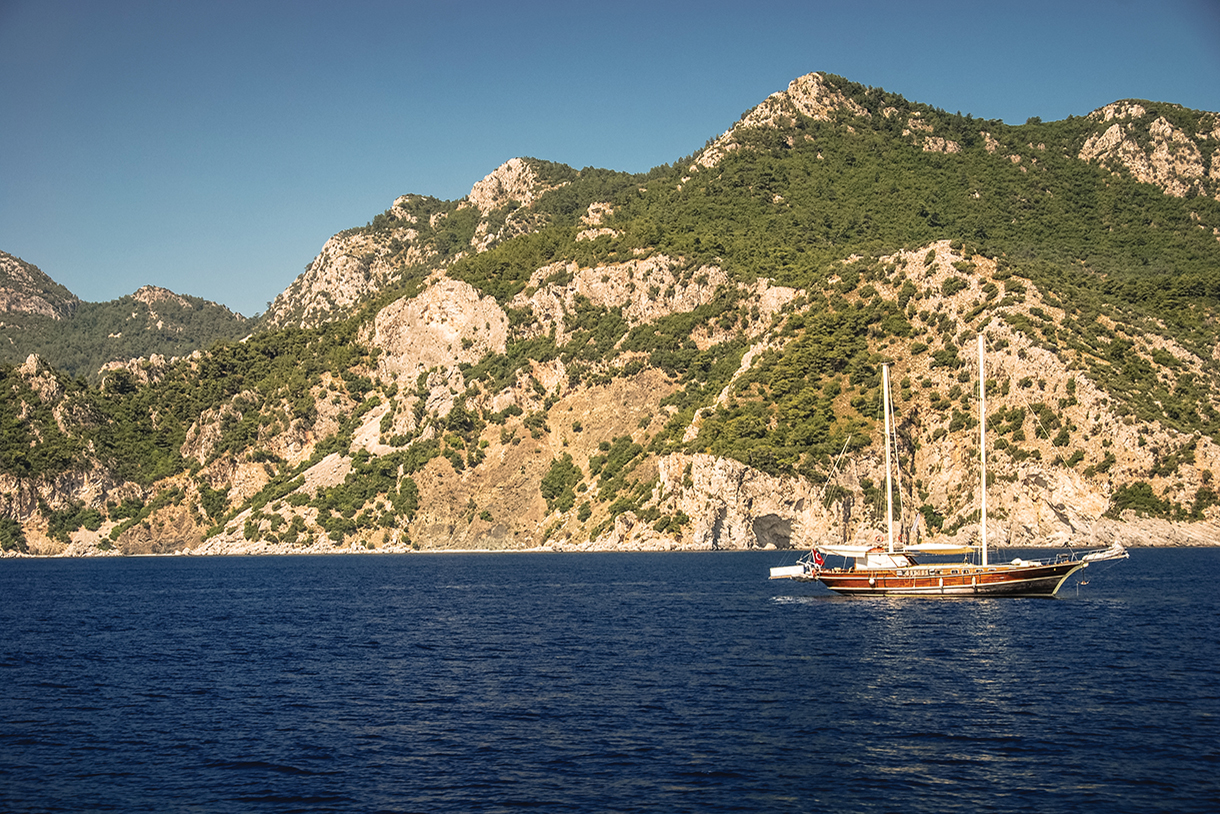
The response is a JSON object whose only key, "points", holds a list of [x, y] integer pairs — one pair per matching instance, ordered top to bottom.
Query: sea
{"points": [[599, 682]]}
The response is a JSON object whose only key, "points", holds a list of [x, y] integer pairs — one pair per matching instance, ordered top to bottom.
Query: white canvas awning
{"points": [[939, 548]]}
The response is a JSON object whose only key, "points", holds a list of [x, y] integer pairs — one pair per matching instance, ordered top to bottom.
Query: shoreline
{"points": [[1130, 532], [13, 555]]}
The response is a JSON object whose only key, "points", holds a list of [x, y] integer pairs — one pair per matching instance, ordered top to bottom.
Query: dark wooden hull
{"points": [[950, 581]]}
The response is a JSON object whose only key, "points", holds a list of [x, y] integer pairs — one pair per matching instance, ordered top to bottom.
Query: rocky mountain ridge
{"points": [[1161, 153], [416, 235], [25, 289], [40, 316], [729, 504]]}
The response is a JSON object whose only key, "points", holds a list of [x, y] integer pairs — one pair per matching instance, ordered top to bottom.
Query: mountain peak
{"points": [[809, 95], [1164, 145], [514, 180], [26, 289], [151, 295]]}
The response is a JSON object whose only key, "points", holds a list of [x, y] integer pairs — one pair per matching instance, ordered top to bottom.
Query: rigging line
{"points": [[834, 471], [832, 475], [902, 504]]}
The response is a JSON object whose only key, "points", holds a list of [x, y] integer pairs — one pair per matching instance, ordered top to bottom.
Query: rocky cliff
{"points": [[1157, 151], [416, 236], [25, 289], [689, 358]]}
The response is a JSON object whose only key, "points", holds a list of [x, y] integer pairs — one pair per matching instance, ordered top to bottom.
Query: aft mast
{"points": [[982, 454], [889, 489]]}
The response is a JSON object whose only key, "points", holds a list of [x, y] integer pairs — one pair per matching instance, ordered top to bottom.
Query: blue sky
{"points": [[212, 148]]}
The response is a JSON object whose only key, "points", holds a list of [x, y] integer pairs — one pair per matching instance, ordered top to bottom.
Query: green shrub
{"points": [[559, 484], [1139, 498], [12, 537]]}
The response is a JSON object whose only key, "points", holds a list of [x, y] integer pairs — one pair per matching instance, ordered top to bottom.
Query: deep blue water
{"points": [[591, 682]]}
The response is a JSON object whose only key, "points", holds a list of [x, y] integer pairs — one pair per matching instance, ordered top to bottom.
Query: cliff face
{"points": [[1156, 151], [415, 235], [348, 270], [25, 289], [445, 326], [611, 382]]}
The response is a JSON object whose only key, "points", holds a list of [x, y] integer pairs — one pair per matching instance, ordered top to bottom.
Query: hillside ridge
{"points": [[26, 289]]}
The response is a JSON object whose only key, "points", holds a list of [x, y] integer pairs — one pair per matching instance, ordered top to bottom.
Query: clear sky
{"points": [[213, 147]]}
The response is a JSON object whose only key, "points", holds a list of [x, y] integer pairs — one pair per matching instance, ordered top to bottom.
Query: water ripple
{"points": [[630, 682]]}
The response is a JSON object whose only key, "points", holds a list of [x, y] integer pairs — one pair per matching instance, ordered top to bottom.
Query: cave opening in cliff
{"points": [[773, 530]]}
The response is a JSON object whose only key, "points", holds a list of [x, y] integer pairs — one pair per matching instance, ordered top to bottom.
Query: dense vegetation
{"points": [[794, 201], [126, 328]]}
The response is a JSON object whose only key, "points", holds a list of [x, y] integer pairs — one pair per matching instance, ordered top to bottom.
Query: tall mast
{"points": [[983, 452], [889, 489]]}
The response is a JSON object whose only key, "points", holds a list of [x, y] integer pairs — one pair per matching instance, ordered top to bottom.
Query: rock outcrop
{"points": [[808, 95], [1154, 152], [514, 181], [357, 263], [348, 270], [25, 289], [646, 289], [448, 324]]}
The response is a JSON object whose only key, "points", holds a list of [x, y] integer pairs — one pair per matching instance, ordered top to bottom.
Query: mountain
{"points": [[414, 237], [24, 289], [39, 316], [691, 357]]}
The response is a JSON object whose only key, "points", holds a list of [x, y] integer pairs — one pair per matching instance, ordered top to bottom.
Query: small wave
{"points": [[800, 600], [257, 766], [294, 798]]}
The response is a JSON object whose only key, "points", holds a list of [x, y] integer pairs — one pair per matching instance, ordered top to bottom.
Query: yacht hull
{"points": [[1003, 580]]}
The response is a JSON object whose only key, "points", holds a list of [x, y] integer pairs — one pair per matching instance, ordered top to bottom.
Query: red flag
{"points": [[818, 559]]}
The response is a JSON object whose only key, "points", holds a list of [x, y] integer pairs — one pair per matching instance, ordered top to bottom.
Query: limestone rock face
{"points": [[808, 95], [1118, 110], [936, 144], [1162, 154], [514, 180], [594, 217], [358, 263], [349, 269], [645, 288], [25, 289], [152, 296], [447, 324], [142, 370], [41, 379], [24, 500], [736, 506], [1045, 506], [170, 529], [1134, 531]]}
